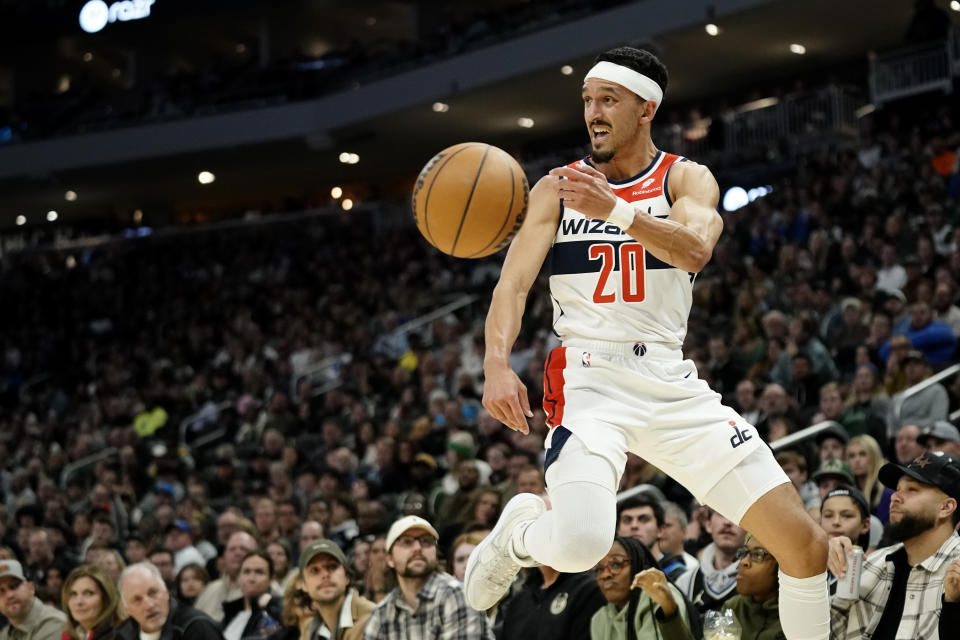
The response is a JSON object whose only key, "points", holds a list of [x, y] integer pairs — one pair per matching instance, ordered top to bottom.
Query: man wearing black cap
{"points": [[903, 591], [341, 612]]}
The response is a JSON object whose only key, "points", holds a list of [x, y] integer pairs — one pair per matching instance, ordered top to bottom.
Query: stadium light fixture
{"points": [[955, 5], [711, 29], [798, 49], [566, 70], [440, 107], [526, 123], [205, 177], [336, 192], [70, 196], [347, 204], [52, 216], [21, 220]]}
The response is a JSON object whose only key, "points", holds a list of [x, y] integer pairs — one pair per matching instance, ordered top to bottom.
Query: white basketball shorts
{"points": [[646, 399]]}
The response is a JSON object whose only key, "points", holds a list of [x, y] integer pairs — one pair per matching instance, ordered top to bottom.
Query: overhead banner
{"points": [[96, 14]]}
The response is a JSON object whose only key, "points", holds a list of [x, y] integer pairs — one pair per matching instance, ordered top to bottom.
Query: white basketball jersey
{"points": [[605, 286]]}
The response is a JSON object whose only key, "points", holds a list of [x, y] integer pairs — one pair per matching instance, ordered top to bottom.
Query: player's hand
{"points": [[586, 190], [505, 397], [837, 549], [654, 583]]}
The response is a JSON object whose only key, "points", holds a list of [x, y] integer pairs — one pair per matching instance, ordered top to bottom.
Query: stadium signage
{"points": [[95, 14]]}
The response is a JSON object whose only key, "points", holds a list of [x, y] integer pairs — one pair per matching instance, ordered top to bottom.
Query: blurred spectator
{"points": [[944, 309], [935, 340], [747, 404], [923, 407], [941, 436], [832, 442], [907, 445], [865, 459], [794, 465], [832, 474], [845, 513], [642, 517], [923, 518], [343, 523], [310, 531], [672, 534], [179, 541], [460, 552], [282, 557], [162, 559], [715, 580], [190, 583], [226, 587], [641, 602], [91, 603], [425, 603], [553, 605], [756, 605], [152, 610], [297, 613], [256, 614], [28, 618]]}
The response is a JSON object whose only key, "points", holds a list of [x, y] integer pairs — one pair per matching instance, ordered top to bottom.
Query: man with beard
{"points": [[903, 591], [425, 603], [341, 612]]}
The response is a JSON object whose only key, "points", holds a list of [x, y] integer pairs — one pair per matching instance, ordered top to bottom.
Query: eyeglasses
{"points": [[405, 542], [756, 555], [615, 564]]}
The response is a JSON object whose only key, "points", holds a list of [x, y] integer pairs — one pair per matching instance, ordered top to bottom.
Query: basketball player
{"points": [[627, 230]]}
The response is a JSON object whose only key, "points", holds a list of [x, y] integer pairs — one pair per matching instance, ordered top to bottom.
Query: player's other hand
{"points": [[585, 189], [505, 397], [837, 549]]}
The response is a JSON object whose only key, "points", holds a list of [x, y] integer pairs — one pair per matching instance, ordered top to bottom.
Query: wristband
{"points": [[622, 214]]}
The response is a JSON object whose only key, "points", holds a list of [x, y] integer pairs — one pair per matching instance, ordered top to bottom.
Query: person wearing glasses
{"points": [[641, 603], [425, 604], [756, 606]]}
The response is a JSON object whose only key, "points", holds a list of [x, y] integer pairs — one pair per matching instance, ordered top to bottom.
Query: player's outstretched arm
{"points": [[504, 396]]}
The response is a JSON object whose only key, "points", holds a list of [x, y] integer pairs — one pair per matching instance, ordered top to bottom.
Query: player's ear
{"points": [[648, 109]]}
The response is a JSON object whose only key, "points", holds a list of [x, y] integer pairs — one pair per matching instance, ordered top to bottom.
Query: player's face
{"points": [[612, 115]]}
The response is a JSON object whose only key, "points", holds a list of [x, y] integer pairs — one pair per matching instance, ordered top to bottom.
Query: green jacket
{"points": [[759, 621], [609, 624]]}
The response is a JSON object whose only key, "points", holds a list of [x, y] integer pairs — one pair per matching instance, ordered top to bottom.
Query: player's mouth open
{"points": [[600, 133]]}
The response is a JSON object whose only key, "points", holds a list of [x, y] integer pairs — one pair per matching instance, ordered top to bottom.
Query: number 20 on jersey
{"points": [[632, 266]]}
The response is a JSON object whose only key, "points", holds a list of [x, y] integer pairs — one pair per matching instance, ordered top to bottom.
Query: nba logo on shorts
{"points": [[639, 349], [585, 359]]}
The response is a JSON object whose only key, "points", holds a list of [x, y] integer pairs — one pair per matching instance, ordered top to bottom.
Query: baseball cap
{"points": [[850, 303], [915, 355], [940, 429], [833, 430], [462, 443], [427, 459], [837, 468], [936, 468], [164, 487], [854, 494], [406, 523], [179, 525], [317, 547], [13, 569]]}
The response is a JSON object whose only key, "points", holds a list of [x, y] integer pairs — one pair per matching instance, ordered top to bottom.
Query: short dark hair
{"points": [[639, 60], [642, 500], [259, 553]]}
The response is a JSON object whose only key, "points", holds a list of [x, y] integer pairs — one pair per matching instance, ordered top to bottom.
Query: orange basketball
{"points": [[470, 199]]}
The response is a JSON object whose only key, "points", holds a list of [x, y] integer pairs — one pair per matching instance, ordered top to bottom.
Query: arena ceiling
{"points": [[751, 50]]}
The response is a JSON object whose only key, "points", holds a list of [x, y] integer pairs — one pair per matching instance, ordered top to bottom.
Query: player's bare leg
{"points": [[799, 544]]}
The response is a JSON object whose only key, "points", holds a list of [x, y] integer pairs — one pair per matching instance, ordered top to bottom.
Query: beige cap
{"points": [[406, 523]]}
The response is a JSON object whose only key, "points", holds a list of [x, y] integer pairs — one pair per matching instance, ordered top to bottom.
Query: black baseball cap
{"points": [[942, 470]]}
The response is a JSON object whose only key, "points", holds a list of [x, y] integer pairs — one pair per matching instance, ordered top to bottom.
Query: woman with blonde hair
{"points": [[865, 459], [92, 603], [297, 612]]}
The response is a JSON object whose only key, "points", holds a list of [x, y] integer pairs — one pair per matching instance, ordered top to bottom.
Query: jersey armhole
{"points": [[666, 181]]}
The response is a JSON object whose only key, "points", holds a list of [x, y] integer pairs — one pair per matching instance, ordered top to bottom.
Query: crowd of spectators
{"points": [[824, 302]]}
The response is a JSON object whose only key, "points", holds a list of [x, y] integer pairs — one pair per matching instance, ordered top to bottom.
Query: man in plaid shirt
{"points": [[911, 589], [425, 604]]}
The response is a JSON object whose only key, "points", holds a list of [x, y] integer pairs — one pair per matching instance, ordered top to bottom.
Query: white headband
{"points": [[638, 83]]}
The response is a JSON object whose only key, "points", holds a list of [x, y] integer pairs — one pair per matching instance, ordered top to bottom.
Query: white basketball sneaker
{"points": [[493, 564]]}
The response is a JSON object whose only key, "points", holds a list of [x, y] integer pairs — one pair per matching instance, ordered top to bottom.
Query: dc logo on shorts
{"points": [[639, 349], [585, 359], [739, 435]]}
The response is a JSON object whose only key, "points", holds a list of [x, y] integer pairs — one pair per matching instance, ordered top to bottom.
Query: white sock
{"points": [[804, 607]]}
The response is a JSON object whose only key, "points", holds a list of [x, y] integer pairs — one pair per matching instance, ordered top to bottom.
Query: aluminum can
{"points": [[848, 585]]}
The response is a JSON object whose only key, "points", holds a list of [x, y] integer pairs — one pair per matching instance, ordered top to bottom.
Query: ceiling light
{"points": [[955, 5], [371, 21], [711, 29], [240, 48], [798, 49], [87, 57], [566, 70], [116, 73], [441, 107], [526, 123], [353, 158], [205, 177], [336, 192], [70, 196], [347, 204], [51, 216], [137, 216], [21, 220], [71, 262]]}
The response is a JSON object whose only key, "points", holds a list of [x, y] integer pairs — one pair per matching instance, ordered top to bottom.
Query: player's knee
{"points": [[586, 546], [807, 553]]}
